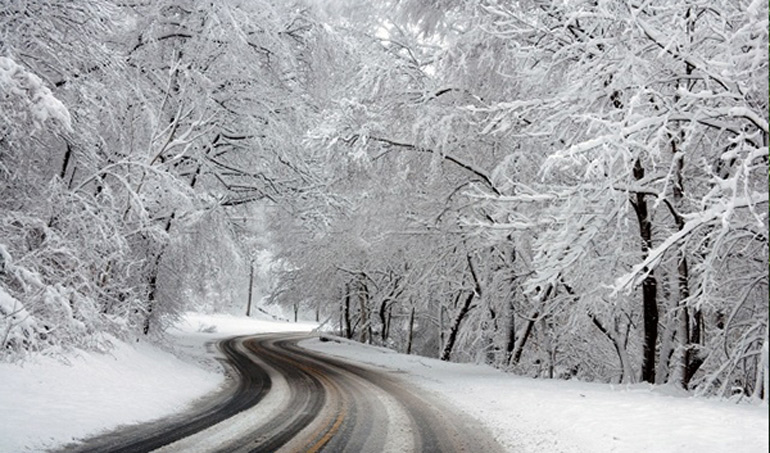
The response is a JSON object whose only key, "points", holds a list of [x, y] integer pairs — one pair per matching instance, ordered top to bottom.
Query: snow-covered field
{"points": [[47, 403]]}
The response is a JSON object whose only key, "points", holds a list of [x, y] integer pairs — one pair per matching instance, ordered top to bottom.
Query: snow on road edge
{"points": [[537, 415]]}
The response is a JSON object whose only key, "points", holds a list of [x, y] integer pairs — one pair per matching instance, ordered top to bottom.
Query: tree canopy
{"points": [[571, 190]]}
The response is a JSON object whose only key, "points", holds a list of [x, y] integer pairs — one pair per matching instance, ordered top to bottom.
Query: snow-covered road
{"points": [[288, 399], [47, 403]]}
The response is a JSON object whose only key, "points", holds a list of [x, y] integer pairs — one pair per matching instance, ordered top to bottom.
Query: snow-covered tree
{"points": [[654, 121]]}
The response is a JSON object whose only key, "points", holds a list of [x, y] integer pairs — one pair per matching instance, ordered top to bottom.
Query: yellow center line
{"points": [[331, 386], [337, 422], [322, 441]]}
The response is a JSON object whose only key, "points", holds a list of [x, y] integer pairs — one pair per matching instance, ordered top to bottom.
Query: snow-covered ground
{"points": [[47, 403], [549, 416]]}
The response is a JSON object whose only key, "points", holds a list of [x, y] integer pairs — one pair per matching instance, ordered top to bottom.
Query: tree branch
{"points": [[457, 161]]}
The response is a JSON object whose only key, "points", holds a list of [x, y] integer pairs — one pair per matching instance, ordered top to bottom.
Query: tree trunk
{"points": [[66, 160], [152, 283], [649, 284], [386, 307], [650, 307], [346, 312], [382, 312], [390, 320], [691, 323], [341, 324], [366, 325], [690, 327], [454, 329], [411, 330], [441, 335], [522, 340], [510, 341], [548, 344], [491, 349], [694, 357], [627, 373], [763, 377]]}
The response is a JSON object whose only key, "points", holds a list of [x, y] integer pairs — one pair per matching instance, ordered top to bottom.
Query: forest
{"points": [[567, 190]]}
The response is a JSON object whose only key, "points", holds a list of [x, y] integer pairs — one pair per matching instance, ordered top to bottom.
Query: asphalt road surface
{"points": [[287, 399]]}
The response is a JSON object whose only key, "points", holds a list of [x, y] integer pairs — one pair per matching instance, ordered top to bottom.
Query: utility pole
{"points": [[251, 287]]}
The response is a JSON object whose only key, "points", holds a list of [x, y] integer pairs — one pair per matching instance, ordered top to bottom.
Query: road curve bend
{"points": [[288, 399]]}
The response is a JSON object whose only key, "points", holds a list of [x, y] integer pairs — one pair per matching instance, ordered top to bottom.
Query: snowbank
{"points": [[48, 403]]}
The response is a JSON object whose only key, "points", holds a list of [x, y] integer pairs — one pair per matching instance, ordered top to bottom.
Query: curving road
{"points": [[285, 398]]}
